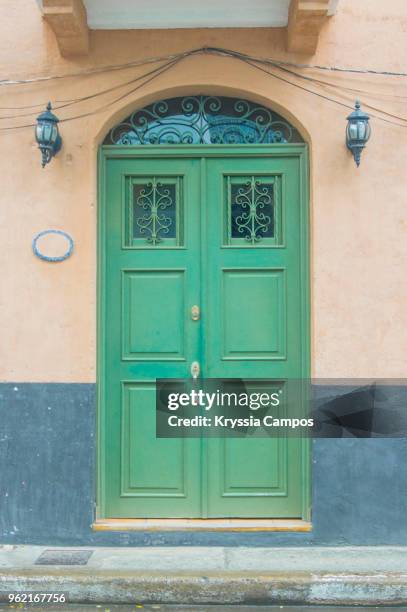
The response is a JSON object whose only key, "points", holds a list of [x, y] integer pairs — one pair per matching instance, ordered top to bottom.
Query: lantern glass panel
{"points": [[361, 128], [352, 131], [368, 131], [38, 132], [47, 133], [54, 134]]}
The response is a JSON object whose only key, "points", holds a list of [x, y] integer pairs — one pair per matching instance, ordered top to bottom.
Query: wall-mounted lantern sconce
{"points": [[357, 132], [47, 135]]}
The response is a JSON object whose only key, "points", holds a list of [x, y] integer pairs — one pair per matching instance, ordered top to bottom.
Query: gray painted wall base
{"points": [[48, 469]]}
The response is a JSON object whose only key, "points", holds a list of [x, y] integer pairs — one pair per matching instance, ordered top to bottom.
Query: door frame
{"points": [[107, 152]]}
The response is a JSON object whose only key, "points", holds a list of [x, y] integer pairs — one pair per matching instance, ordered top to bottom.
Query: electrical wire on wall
{"points": [[283, 71]]}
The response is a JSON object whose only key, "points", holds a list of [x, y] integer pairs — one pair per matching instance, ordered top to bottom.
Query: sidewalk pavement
{"points": [[368, 576]]}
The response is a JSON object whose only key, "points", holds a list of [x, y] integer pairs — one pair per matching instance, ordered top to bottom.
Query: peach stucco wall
{"points": [[358, 216]]}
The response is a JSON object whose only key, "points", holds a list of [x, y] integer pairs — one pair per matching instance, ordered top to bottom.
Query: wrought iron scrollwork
{"points": [[203, 120], [154, 198], [253, 198]]}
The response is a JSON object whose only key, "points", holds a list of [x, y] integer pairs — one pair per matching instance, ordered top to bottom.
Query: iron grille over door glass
{"points": [[203, 120], [252, 210], [154, 211]]}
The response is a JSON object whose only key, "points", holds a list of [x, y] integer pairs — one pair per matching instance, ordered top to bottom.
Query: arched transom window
{"points": [[197, 120]]}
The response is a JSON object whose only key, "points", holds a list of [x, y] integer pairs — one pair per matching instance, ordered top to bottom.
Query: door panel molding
{"points": [[169, 328], [234, 328], [132, 485]]}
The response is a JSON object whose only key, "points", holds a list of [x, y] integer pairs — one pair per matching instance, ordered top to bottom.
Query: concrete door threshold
{"points": [[202, 525], [368, 576]]}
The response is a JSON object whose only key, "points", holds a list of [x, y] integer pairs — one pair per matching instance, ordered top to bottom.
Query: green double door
{"points": [[202, 261]]}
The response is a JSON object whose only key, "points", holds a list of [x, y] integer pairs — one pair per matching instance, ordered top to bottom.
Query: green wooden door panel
{"points": [[225, 232], [272, 272], [149, 287], [261, 293], [254, 324], [147, 334], [142, 473], [254, 478]]}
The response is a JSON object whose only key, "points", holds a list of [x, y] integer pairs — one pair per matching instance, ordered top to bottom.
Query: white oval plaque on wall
{"points": [[53, 245]]}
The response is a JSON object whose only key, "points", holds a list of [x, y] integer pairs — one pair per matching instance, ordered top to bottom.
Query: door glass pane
{"points": [[252, 210], [153, 213]]}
